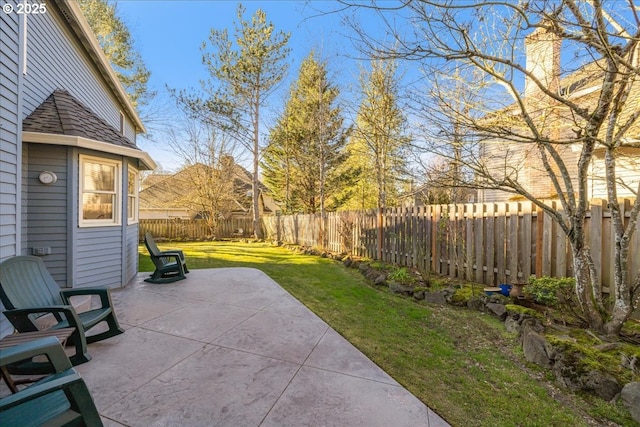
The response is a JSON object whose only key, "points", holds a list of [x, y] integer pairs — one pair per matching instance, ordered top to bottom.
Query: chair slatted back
{"points": [[158, 260], [26, 283]]}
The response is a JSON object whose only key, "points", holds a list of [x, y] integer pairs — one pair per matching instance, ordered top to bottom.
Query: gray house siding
{"points": [[67, 69], [10, 126], [10, 150], [47, 207], [52, 216], [131, 251], [102, 256], [97, 257]]}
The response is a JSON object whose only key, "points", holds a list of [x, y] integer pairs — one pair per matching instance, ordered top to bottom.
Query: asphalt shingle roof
{"points": [[62, 114]]}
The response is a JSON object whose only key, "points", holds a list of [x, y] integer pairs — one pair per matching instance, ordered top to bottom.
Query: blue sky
{"points": [[168, 34]]}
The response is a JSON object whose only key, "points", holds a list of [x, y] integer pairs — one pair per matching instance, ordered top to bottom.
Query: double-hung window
{"points": [[100, 192], [132, 196]]}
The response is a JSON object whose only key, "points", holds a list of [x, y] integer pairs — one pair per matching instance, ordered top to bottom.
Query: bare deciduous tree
{"points": [[542, 126], [205, 183]]}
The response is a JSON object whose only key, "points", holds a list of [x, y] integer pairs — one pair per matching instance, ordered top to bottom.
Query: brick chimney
{"points": [[542, 51]]}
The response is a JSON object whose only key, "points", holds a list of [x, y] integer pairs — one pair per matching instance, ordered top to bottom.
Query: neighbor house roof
{"points": [[171, 191]]}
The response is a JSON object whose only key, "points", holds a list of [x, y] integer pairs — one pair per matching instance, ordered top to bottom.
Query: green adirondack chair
{"points": [[170, 265], [27, 291], [60, 399]]}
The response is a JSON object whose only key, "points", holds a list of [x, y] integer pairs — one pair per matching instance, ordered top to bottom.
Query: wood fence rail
{"points": [[489, 243]]}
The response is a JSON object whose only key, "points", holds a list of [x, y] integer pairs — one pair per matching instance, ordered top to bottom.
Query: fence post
{"points": [[468, 213], [479, 241], [512, 242]]}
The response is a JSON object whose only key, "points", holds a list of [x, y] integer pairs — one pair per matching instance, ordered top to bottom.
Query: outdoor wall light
{"points": [[47, 177]]}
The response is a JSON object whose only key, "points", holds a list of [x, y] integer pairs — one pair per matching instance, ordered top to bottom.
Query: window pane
{"points": [[99, 177], [132, 183], [97, 206], [131, 208]]}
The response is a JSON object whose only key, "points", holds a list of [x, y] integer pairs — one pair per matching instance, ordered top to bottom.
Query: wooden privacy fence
{"points": [[195, 229], [489, 243]]}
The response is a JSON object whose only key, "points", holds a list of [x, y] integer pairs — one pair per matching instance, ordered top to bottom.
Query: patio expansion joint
{"points": [[293, 376]]}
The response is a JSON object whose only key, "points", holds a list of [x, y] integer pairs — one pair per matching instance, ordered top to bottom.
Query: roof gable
{"points": [[62, 114], [173, 190]]}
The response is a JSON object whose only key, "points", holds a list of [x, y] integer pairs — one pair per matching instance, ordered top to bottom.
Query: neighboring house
{"points": [[583, 88], [69, 164], [186, 194]]}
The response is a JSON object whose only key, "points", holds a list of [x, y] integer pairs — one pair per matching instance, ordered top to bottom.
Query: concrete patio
{"points": [[230, 347]]}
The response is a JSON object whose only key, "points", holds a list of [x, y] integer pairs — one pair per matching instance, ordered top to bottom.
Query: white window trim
{"points": [[122, 124], [135, 195], [117, 208]]}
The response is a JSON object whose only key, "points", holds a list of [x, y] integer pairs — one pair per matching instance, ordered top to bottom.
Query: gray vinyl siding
{"points": [[56, 61], [10, 125], [24, 197], [47, 207], [131, 251], [98, 257]]}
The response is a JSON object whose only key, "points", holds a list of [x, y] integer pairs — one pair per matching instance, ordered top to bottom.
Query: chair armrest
{"points": [[178, 251], [172, 254], [104, 293], [19, 317], [48, 346], [58, 381]]}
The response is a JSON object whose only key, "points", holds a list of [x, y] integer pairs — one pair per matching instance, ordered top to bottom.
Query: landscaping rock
{"points": [[347, 262], [364, 267], [369, 274], [380, 280], [400, 289], [447, 292], [419, 295], [435, 298], [476, 303], [498, 309], [529, 323], [512, 324], [535, 348], [601, 384], [630, 396]]}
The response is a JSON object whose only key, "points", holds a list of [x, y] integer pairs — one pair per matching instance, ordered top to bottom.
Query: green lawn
{"points": [[462, 364]]}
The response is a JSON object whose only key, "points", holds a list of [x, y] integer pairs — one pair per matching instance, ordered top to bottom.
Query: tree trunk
{"points": [[257, 230], [582, 267], [622, 288]]}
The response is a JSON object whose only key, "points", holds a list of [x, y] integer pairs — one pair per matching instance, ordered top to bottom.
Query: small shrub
{"points": [[401, 276], [551, 291], [464, 293]]}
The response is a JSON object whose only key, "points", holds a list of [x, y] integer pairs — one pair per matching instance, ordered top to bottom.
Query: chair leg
{"points": [[114, 329], [79, 341]]}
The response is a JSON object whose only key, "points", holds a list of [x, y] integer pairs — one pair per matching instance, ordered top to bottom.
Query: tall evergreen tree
{"points": [[117, 44], [244, 71], [379, 143], [303, 164]]}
